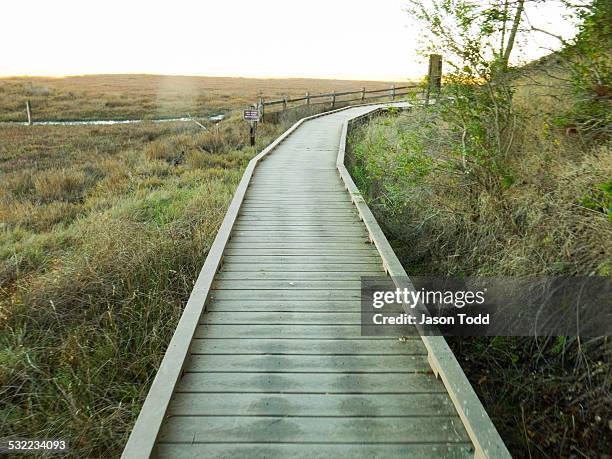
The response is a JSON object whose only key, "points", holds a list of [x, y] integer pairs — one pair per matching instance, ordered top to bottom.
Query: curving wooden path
{"points": [[274, 365]]}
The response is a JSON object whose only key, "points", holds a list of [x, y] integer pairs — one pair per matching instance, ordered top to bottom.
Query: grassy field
{"points": [[149, 96], [546, 209], [103, 230], [102, 233]]}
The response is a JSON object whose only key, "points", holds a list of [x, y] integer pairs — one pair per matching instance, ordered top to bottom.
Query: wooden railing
{"points": [[338, 97]]}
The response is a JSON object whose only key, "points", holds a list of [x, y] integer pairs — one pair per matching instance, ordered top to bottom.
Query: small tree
{"points": [[477, 40]]}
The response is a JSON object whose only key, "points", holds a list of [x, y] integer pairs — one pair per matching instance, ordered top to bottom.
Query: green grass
{"points": [[544, 210], [102, 233]]}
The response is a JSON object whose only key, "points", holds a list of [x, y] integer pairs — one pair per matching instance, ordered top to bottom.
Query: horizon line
{"points": [[395, 79]]}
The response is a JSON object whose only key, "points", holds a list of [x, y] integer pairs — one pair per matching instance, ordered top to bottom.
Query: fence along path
{"points": [[275, 366]]}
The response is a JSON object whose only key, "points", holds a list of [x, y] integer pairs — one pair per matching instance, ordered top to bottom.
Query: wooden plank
{"points": [[336, 200], [309, 208], [323, 216], [272, 218], [297, 224], [293, 226], [319, 232], [304, 234], [257, 239], [345, 244], [314, 251], [304, 259], [310, 267], [293, 275], [328, 284], [291, 294], [285, 305], [295, 318], [283, 331], [412, 346], [308, 364], [312, 383], [304, 405], [202, 429], [312, 451]]}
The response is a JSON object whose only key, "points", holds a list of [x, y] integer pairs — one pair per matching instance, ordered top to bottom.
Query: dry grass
{"points": [[149, 96], [542, 212], [102, 233]]}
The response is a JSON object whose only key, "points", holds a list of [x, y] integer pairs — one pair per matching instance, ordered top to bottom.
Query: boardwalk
{"points": [[277, 366]]}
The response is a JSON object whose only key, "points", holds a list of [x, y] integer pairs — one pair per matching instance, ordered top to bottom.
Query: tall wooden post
{"points": [[434, 76], [393, 93], [362, 94], [307, 98], [333, 99], [285, 103], [260, 107], [29, 112], [253, 125]]}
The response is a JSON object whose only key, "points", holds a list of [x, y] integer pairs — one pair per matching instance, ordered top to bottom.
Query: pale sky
{"points": [[344, 39]]}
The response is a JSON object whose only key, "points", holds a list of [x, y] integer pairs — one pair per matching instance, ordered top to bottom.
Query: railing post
{"points": [[434, 76], [393, 93], [362, 94], [307, 98], [333, 99], [285, 103], [260, 107], [29, 112]]}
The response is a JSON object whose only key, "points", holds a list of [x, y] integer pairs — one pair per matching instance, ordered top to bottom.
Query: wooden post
{"points": [[434, 76], [393, 93], [362, 94], [307, 98], [333, 99], [285, 103], [261, 109], [29, 112], [252, 133]]}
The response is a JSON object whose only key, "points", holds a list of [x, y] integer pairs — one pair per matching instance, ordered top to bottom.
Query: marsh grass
{"points": [[93, 97], [543, 210], [102, 233]]}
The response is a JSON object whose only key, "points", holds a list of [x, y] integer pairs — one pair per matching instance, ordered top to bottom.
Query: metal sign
{"points": [[251, 114]]}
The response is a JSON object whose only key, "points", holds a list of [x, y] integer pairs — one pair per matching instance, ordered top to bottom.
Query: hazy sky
{"points": [[354, 39]]}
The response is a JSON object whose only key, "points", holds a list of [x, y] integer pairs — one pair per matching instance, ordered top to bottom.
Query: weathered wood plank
{"points": [[310, 218], [295, 224], [321, 232], [275, 239], [347, 245], [314, 251], [304, 259], [364, 268], [264, 284], [291, 294], [285, 305], [295, 318], [284, 331], [412, 346], [309, 363], [312, 383], [303, 405], [202, 429], [312, 451]]}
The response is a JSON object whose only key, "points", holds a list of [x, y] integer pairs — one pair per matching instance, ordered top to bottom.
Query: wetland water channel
{"points": [[105, 122]]}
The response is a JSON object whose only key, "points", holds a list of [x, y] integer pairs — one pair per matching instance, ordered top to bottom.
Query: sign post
{"points": [[252, 116]]}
